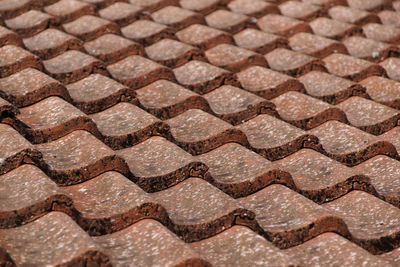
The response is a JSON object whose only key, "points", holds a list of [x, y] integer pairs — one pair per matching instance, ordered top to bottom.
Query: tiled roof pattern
{"points": [[199, 133]]}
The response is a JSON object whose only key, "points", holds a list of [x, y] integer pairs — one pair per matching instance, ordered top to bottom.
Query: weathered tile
{"points": [[281, 25], [89, 27], [14, 59]]}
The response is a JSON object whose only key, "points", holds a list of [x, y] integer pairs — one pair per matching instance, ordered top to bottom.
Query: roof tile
{"points": [[153, 5], [205, 7], [255, 8], [69, 10], [299, 10], [121, 13], [352, 15], [177, 17], [227, 21], [281, 25], [334, 29], [147, 32], [384, 33], [8, 37], [258, 41], [369, 49], [14, 59], [392, 67], [383, 90]]}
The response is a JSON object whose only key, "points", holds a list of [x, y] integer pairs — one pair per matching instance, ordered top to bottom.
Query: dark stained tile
{"points": [[100, 3], [153, 5], [205, 7], [255, 8], [69, 10], [299, 10], [121, 13], [352, 15], [177, 17], [227, 21], [281, 25], [89, 27], [333, 29], [147, 32], [383, 33], [203, 36], [8, 37], [258, 41], [51, 42], [111, 48], [369, 49], [234, 58], [14, 59], [293, 63], [72, 66], [392, 67], [136, 71], [202, 77], [266, 82], [383, 90], [97, 92], [7, 109], [305, 111], [368, 115], [198, 132], [274, 138], [157, 164], [202, 213], [54, 239]]}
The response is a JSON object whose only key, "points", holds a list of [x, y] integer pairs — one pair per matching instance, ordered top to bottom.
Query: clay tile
{"points": [[100, 3], [325, 3], [153, 5], [373, 5], [396, 5], [205, 7], [12, 8], [255, 8], [69, 10], [299, 10], [121, 13], [352, 15], [177, 17], [389, 17], [227, 21], [30, 23], [282, 25], [89, 27], [334, 29], [147, 32], [384, 33], [8, 37], [203, 37], [258, 41], [51, 42], [315, 45], [111, 48], [369, 49], [172, 53], [233, 58], [14, 59], [293, 63], [72, 66], [351, 67], [392, 67], [137, 71], [202, 77], [267, 83], [30, 86], [330, 88], [383, 90], [97, 92], [165, 99], [236, 105], [7, 109], [306, 112], [368, 115], [51, 119], [125, 125], [199, 132], [392, 137], [274, 138], [78, 157], [157, 164], [239, 172], [384, 174], [24, 199], [199, 210], [286, 217], [369, 220], [54, 239], [146, 243], [241, 246], [330, 249], [393, 256]]}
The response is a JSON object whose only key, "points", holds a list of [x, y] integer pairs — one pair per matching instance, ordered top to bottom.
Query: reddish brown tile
{"points": [[153, 5], [373, 5], [396, 5], [205, 7], [12, 8], [255, 8], [69, 10], [299, 10], [121, 13], [352, 15], [177, 17], [389, 17], [228, 21], [281, 25], [89, 27], [333, 29], [147, 32], [383, 33], [8, 37], [203, 37], [258, 41], [51, 43], [315, 45], [111, 48], [369, 49], [173, 53], [233, 58], [14, 59], [293, 63], [72, 66], [351, 67], [392, 67], [136, 71], [202, 77], [267, 83], [330, 88], [383, 90], [7, 109], [369, 116], [198, 132], [392, 137], [275, 139], [78, 157], [157, 164], [203, 212], [54, 239], [392, 256]]}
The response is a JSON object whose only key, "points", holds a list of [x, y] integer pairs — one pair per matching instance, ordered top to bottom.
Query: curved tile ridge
{"points": [[7, 109], [54, 239]]}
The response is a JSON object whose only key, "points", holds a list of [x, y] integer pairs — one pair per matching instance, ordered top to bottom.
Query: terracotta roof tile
{"points": [[153, 5], [373, 5], [204, 7], [12, 8], [255, 8], [69, 10], [299, 10], [121, 13], [352, 15], [177, 17], [389, 17], [227, 21], [282, 25], [333, 29], [147, 32], [384, 33], [8, 37], [258, 41], [369, 49], [14, 59], [391, 66], [383, 90], [7, 109], [392, 137]]}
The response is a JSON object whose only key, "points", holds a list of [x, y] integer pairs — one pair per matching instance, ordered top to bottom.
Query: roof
{"points": [[199, 133]]}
